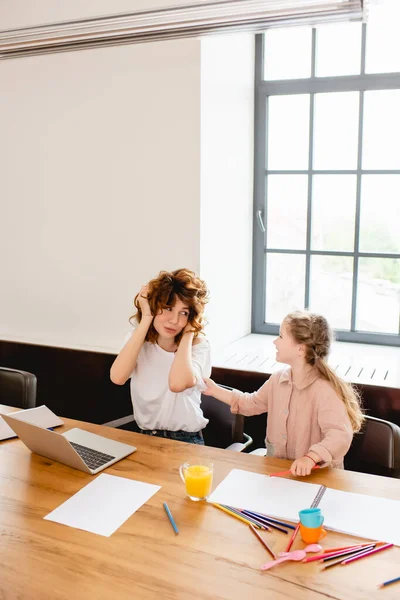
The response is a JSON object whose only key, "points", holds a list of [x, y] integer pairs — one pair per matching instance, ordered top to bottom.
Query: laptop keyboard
{"points": [[93, 458]]}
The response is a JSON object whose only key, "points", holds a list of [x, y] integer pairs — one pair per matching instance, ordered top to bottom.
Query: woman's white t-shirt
{"points": [[154, 405]]}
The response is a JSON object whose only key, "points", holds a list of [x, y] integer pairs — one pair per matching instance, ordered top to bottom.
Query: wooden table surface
{"points": [[213, 557]]}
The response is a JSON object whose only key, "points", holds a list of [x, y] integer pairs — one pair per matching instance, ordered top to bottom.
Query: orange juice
{"points": [[198, 480]]}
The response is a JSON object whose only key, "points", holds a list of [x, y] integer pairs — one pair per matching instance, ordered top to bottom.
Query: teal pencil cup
{"points": [[311, 517]]}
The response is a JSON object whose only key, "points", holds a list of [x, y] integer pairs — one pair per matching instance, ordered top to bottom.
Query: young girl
{"points": [[166, 358], [312, 413]]}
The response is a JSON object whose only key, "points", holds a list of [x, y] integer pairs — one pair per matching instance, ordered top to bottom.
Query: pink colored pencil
{"points": [[295, 532], [329, 550], [336, 553], [368, 553]]}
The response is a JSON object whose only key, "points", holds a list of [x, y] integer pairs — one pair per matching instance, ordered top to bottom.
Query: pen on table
{"points": [[170, 517], [254, 530], [389, 582]]}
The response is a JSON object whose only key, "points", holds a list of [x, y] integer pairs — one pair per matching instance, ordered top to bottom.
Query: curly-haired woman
{"points": [[167, 356]]}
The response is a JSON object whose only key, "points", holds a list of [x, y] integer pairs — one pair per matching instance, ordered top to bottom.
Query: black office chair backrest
{"points": [[17, 388], [224, 428], [376, 449]]}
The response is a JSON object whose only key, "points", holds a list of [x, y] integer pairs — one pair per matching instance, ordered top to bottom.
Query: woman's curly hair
{"points": [[165, 289]]}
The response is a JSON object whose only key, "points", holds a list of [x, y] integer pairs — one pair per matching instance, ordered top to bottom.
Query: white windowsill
{"points": [[359, 363]]}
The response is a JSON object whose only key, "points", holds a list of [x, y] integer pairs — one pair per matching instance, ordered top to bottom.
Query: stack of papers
{"points": [[40, 415]]}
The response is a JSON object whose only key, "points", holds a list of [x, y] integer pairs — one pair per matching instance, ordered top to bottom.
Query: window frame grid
{"points": [[312, 85]]}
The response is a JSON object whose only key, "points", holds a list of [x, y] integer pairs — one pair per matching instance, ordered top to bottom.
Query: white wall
{"points": [[227, 126], [116, 161], [99, 184]]}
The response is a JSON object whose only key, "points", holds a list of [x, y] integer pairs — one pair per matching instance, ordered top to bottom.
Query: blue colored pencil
{"points": [[170, 517], [269, 519], [255, 522], [267, 523], [389, 582]]}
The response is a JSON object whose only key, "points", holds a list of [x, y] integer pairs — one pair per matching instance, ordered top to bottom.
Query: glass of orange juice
{"points": [[197, 477]]}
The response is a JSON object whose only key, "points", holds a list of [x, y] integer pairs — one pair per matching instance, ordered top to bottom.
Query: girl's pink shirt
{"points": [[300, 418]]}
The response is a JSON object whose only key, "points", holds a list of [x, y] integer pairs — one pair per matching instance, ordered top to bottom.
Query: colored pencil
{"points": [[280, 473], [314, 504], [232, 514], [170, 517], [269, 519], [264, 521], [255, 522], [254, 530], [295, 532], [340, 548], [345, 553], [368, 553], [335, 554], [340, 561], [389, 582]]}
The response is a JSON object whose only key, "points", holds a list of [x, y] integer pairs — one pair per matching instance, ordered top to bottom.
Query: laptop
{"points": [[76, 448]]}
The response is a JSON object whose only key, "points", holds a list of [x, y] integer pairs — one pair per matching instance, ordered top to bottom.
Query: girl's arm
{"points": [[125, 362], [181, 375], [218, 392], [242, 402]]}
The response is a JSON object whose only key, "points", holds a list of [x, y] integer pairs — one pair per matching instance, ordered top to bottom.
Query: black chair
{"points": [[17, 388], [224, 430], [376, 449]]}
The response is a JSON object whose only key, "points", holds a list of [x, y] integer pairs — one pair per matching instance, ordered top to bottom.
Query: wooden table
{"points": [[213, 557]]}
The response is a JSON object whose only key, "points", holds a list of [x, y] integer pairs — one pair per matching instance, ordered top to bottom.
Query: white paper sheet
{"points": [[41, 415], [274, 496], [104, 504], [355, 514], [364, 516]]}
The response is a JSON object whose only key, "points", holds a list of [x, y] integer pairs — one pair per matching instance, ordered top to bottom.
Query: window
{"points": [[327, 178]]}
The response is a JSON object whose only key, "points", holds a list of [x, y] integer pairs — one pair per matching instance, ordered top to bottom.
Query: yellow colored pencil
{"points": [[229, 512]]}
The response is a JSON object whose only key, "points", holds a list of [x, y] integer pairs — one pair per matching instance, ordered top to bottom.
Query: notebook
{"points": [[76, 448]]}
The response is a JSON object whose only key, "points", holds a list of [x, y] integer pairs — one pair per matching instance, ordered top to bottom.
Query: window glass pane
{"points": [[383, 40], [287, 53], [333, 58], [336, 130], [381, 130], [288, 131], [287, 195], [380, 210], [333, 212], [285, 285], [331, 286], [378, 295]]}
